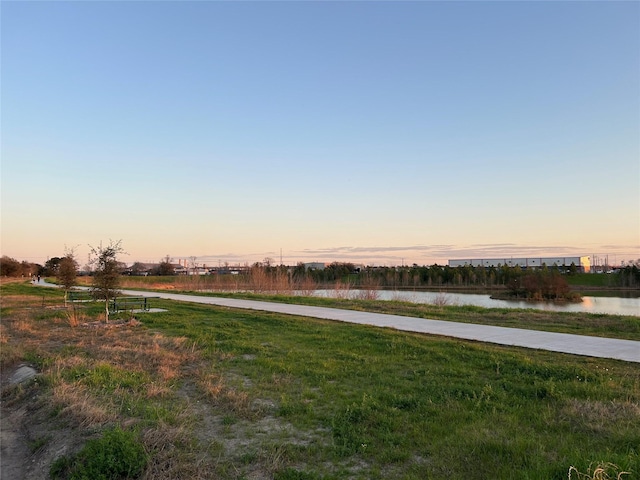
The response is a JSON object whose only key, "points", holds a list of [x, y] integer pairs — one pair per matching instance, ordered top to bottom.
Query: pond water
{"points": [[608, 305]]}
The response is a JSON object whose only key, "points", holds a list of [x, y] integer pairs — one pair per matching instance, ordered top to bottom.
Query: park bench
{"points": [[79, 296], [128, 304]]}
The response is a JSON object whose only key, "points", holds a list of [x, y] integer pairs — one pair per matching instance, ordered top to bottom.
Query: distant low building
{"points": [[583, 264], [314, 266], [145, 269], [179, 269]]}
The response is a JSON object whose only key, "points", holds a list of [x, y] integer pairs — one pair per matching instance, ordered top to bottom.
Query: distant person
{"points": [[38, 278]]}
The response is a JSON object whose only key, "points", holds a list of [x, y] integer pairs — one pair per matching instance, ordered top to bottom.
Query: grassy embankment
{"points": [[599, 284], [222, 393]]}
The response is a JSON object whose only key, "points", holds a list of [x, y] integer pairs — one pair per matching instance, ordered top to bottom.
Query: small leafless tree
{"points": [[193, 263], [106, 277]]}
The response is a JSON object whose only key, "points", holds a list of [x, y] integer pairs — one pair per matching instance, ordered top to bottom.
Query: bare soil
{"points": [[29, 439]]}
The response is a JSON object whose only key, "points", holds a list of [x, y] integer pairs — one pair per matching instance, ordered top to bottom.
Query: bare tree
{"points": [[193, 263], [106, 277]]}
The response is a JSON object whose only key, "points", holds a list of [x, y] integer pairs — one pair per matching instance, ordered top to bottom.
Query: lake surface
{"points": [[608, 305]]}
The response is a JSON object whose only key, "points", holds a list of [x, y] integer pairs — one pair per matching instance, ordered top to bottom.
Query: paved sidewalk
{"points": [[627, 350]]}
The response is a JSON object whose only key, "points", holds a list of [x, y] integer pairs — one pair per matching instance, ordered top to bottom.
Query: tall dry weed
{"points": [[259, 280], [282, 284], [307, 286], [342, 290], [368, 294], [441, 300], [75, 316], [602, 471]]}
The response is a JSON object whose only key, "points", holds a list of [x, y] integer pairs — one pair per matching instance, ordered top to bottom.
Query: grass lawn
{"points": [[598, 325], [221, 393]]}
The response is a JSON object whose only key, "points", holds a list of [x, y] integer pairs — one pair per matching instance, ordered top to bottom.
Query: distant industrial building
{"points": [[583, 264], [314, 266]]}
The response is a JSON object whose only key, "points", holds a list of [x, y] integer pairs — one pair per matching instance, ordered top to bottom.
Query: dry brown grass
{"points": [[5, 280], [258, 280], [307, 286], [342, 290], [368, 293], [30, 302], [16, 333], [140, 350], [216, 389], [78, 404], [85, 407], [596, 416], [169, 444], [603, 471]]}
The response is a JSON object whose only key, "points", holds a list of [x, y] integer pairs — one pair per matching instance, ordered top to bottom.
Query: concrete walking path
{"points": [[627, 350]]}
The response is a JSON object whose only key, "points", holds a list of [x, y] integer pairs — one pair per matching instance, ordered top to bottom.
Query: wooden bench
{"points": [[127, 304]]}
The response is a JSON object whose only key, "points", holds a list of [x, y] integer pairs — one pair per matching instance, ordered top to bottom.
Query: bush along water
{"points": [[544, 284]]}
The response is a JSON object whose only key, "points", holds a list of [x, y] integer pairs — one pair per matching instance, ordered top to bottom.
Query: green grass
{"points": [[28, 288], [599, 325], [108, 378], [350, 401], [414, 406]]}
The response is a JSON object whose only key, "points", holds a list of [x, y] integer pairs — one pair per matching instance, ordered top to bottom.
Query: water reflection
{"points": [[608, 305]]}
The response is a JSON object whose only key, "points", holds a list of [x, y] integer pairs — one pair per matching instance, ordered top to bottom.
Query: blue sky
{"points": [[374, 132]]}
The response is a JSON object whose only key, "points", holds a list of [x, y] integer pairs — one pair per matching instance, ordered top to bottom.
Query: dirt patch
{"points": [[30, 441], [14, 450]]}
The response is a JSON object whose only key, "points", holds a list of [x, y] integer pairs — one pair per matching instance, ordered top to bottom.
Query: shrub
{"points": [[542, 285], [115, 455]]}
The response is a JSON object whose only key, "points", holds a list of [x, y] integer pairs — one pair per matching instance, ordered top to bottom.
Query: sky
{"points": [[382, 133]]}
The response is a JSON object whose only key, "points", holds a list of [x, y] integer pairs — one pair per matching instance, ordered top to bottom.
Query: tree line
{"points": [[265, 275], [415, 275], [462, 276]]}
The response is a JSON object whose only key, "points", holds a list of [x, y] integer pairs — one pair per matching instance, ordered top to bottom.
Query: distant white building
{"points": [[583, 264], [314, 266]]}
